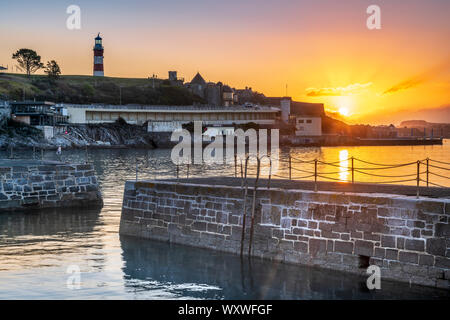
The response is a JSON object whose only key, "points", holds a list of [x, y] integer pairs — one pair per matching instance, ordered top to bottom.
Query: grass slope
{"points": [[88, 89]]}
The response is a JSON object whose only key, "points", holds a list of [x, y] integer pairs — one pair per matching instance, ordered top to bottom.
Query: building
{"points": [[98, 57], [2, 68], [174, 80], [197, 85], [214, 94], [227, 96], [38, 113], [169, 118], [307, 118]]}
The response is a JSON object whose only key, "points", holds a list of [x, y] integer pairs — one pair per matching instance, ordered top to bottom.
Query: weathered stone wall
{"points": [[34, 185], [408, 238]]}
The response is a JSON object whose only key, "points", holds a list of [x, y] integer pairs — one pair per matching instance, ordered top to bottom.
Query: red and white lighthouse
{"points": [[98, 57]]}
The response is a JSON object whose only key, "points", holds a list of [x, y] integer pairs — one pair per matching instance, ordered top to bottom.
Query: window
{"points": [[301, 121], [308, 121]]}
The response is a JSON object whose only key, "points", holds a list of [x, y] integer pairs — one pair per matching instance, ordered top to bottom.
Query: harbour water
{"points": [[37, 249]]}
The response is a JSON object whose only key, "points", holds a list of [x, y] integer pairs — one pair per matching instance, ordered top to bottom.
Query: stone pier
{"points": [[32, 184], [408, 238]]}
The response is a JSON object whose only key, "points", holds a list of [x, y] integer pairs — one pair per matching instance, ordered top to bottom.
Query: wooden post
{"points": [[428, 160], [290, 167], [178, 171], [315, 175], [418, 178]]}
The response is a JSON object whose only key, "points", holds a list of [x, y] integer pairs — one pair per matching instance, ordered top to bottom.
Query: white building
{"points": [[308, 126]]}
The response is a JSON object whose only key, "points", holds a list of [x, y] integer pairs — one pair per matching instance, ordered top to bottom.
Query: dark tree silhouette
{"points": [[29, 60], [52, 69]]}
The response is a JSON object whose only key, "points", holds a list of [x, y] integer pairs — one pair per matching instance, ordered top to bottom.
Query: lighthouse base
{"points": [[98, 74]]}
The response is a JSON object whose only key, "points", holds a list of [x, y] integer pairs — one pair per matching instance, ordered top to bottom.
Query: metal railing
{"points": [[420, 171]]}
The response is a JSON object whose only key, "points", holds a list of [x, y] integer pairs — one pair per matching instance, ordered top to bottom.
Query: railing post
{"points": [[428, 160], [235, 165], [290, 167], [136, 168], [242, 170], [178, 171], [187, 171], [353, 172], [315, 175], [418, 177]]}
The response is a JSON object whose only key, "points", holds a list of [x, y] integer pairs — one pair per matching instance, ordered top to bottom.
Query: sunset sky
{"points": [[321, 49]]}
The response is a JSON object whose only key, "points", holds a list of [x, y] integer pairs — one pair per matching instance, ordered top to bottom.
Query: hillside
{"points": [[88, 89]]}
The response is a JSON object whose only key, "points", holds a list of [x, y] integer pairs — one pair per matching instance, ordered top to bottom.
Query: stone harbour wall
{"points": [[46, 185], [408, 238]]}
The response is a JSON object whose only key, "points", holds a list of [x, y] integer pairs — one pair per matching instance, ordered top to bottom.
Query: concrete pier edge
{"points": [[408, 238]]}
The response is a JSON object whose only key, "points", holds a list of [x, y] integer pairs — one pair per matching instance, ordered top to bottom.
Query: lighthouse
{"points": [[98, 57]]}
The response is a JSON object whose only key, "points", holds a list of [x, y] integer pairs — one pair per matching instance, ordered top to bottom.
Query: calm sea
{"points": [[37, 249]]}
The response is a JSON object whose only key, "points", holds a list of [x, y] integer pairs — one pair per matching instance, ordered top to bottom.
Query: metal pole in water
{"points": [[178, 171], [315, 175]]}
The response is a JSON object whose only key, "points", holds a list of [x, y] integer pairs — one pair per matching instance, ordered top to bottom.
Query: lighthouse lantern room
{"points": [[98, 57]]}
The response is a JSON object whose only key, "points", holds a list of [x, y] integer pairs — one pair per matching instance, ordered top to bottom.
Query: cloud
{"points": [[420, 78], [355, 88]]}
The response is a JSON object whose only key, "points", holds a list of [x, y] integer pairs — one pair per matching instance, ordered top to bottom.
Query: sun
{"points": [[344, 105], [344, 111]]}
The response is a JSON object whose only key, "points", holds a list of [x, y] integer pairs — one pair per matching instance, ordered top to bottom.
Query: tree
{"points": [[29, 60], [52, 69]]}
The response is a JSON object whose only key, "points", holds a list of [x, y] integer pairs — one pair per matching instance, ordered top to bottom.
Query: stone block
{"points": [[442, 230], [415, 245], [317, 246], [343, 246], [436, 247], [364, 248], [391, 254], [409, 257], [426, 260]]}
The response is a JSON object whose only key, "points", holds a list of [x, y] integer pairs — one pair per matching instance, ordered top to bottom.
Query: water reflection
{"points": [[46, 238], [161, 270]]}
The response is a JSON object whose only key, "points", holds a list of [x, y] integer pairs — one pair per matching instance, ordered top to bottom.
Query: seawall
{"points": [[32, 184], [408, 238]]}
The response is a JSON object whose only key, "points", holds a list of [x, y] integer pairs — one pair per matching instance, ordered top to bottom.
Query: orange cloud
{"points": [[420, 78], [355, 88]]}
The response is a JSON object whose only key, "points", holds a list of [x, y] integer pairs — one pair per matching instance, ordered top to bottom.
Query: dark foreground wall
{"points": [[32, 185], [408, 238]]}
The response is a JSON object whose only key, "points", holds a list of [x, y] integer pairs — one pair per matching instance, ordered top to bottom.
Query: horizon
{"points": [[398, 73]]}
